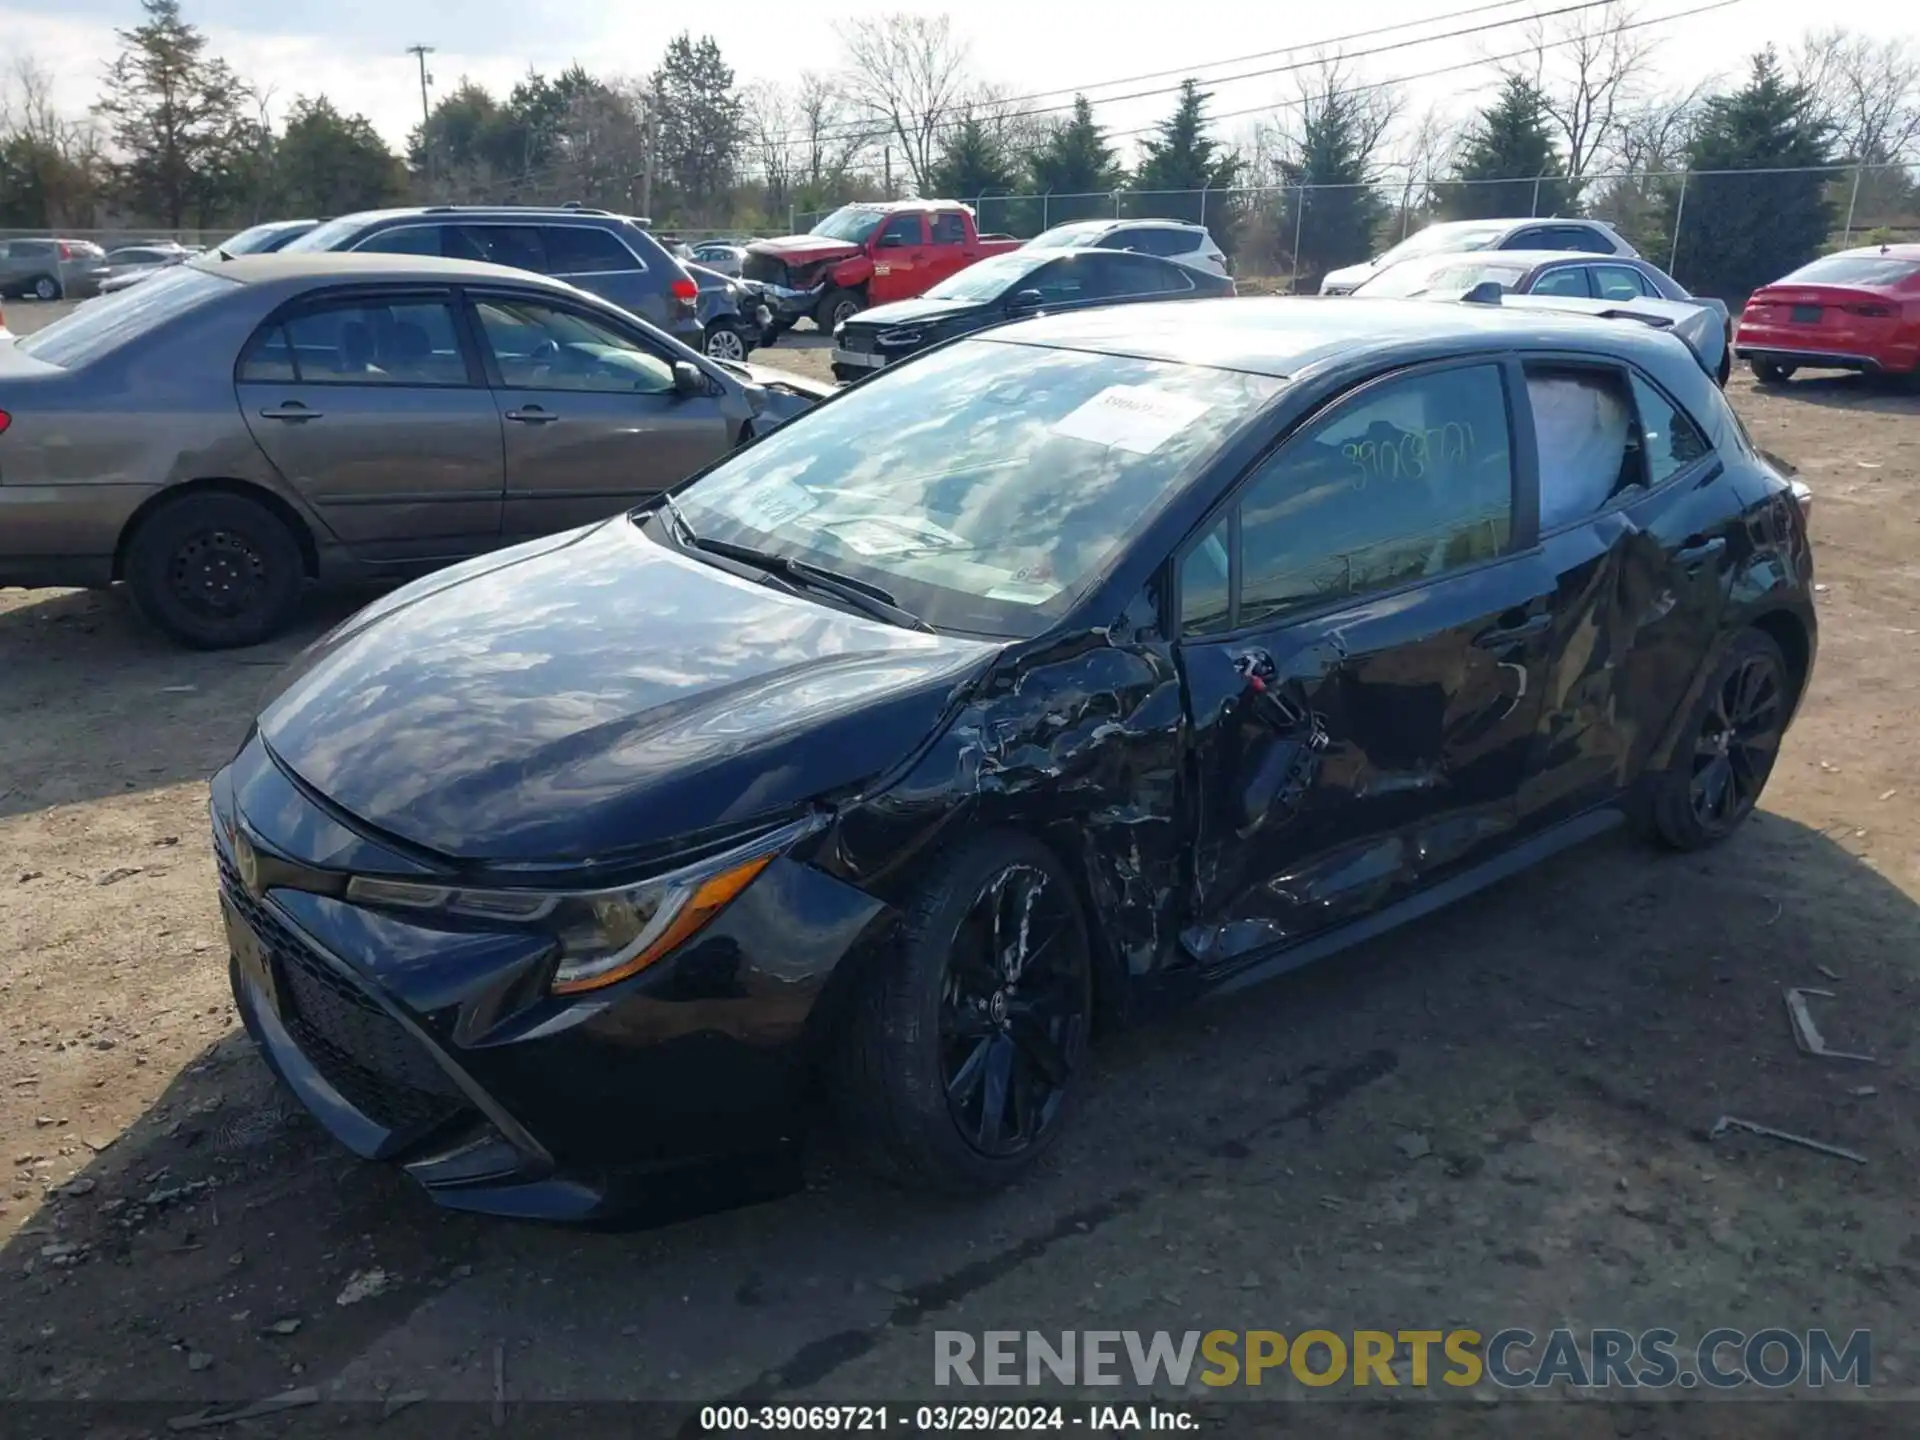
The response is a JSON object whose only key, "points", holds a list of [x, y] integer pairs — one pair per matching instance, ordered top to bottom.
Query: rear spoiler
{"points": [[1669, 315]]}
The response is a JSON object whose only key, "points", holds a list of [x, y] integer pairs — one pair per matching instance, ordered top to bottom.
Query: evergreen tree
{"points": [[178, 118], [701, 125], [1183, 157], [1075, 158], [1330, 158], [327, 163], [972, 163], [1509, 166], [1740, 231]]}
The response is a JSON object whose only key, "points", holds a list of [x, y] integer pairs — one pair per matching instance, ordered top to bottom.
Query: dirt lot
{"points": [[1496, 1120]]}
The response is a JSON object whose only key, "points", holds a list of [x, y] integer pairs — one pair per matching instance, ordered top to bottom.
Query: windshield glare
{"points": [[851, 223], [330, 236], [1063, 237], [1443, 237], [248, 241], [1854, 270], [1449, 278], [986, 279], [105, 323], [986, 485]]}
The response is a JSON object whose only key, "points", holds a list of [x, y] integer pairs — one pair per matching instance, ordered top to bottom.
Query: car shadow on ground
{"points": [[1883, 394], [152, 713], [221, 1248]]}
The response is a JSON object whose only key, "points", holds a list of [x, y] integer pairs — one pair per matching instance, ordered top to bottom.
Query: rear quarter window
{"points": [[585, 250]]}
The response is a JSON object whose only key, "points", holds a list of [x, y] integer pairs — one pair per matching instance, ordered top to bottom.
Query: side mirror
{"points": [[893, 242], [1025, 300], [688, 379]]}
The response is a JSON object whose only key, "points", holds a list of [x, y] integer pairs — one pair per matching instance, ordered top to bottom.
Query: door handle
{"points": [[292, 411], [532, 415], [1698, 549], [1514, 627]]}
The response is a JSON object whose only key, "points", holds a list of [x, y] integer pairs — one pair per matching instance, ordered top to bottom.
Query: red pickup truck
{"points": [[866, 254]]}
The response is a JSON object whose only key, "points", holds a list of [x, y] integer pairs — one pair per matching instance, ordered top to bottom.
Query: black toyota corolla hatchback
{"points": [[1095, 663]]}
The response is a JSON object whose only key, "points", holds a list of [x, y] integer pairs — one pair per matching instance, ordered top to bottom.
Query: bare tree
{"points": [[1591, 69], [908, 73], [1867, 89], [831, 134], [775, 137], [1423, 154], [56, 167]]}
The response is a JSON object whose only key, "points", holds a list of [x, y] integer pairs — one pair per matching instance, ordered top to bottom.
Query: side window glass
{"points": [[949, 228], [901, 230], [1582, 238], [403, 240], [1528, 240], [520, 247], [584, 250], [1135, 275], [1565, 280], [1065, 281], [1617, 282], [363, 342], [538, 347], [268, 358], [1583, 422], [1669, 440], [1408, 480], [1204, 588]]}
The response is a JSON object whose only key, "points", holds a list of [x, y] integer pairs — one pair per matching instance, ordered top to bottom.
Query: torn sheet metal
{"points": [[1807, 1035], [1728, 1123]]}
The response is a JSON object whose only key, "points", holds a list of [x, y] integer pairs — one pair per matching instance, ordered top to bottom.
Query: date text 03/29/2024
{"points": [[941, 1419]]}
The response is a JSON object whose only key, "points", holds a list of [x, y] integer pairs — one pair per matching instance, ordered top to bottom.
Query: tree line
{"points": [[1321, 176]]}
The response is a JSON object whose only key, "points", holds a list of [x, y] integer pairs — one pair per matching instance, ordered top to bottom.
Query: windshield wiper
{"points": [[860, 594]]}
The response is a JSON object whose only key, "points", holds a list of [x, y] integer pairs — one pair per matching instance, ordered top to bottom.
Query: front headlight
{"points": [[604, 935]]}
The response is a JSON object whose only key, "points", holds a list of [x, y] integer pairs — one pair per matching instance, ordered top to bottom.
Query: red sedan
{"points": [[1857, 310]]}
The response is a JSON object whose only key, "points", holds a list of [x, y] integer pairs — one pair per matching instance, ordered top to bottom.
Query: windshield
{"points": [[852, 223], [330, 236], [259, 237], [1063, 237], [1435, 238], [1854, 270], [1448, 278], [986, 279], [110, 321], [985, 485]]}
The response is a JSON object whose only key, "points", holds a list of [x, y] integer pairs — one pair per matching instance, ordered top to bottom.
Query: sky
{"points": [[354, 51]]}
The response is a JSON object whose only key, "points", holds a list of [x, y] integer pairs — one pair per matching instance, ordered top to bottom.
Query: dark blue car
{"points": [[1078, 668]]}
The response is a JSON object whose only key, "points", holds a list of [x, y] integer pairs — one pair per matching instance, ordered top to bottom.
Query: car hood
{"points": [[803, 248], [1347, 276], [923, 311], [596, 696]]}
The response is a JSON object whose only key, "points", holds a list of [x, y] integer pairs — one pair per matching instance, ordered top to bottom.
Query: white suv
{"points": [[1590, 237], [1174, 240]]}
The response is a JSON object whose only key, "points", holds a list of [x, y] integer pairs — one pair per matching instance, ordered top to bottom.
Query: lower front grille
{"points": [[361, 1050]]}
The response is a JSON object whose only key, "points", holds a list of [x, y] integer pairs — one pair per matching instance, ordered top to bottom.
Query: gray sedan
{"points": [[1617, 278], [228, 431]]}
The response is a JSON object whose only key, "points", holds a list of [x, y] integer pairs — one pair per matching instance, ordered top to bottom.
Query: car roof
{"points": [[470, 212], [1903, 251], [1526, 259], [355, 265], [1282, 335]]}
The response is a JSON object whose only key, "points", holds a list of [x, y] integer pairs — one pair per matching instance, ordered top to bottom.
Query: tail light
{"points": [[66, 251], [685, 291], [5, 421]]}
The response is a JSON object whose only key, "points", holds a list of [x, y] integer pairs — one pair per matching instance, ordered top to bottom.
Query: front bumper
{"points": [[788, 305], [1817, 359], [440, 1049]]}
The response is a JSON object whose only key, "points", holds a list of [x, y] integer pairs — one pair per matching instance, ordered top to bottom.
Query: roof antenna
{"points": [[1487, 292]]}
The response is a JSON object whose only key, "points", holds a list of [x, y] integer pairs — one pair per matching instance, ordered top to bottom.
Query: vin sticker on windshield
{"points": [[1130, 417]]}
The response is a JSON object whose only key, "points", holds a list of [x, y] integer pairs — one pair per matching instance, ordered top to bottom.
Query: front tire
{"points": [[46, 288], [837, 307], [1767, 372], [215, 570], [1727, 750], [964, 1047]]}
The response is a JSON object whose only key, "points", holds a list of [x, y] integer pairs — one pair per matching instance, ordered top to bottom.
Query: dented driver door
{"points": [[1362, 646]]}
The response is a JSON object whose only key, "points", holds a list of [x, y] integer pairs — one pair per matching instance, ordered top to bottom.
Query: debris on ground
{"points": [[1807, 1035], [1728, 1123], [1414, 1146], [364, 1285], [283, 1327], [394, 1404], [272, 1405]]}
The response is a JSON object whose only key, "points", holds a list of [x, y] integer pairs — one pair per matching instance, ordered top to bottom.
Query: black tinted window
{"points": [[949, 228], [901, 230], [1583, 238], [405, 240], [1161, 240], [520, 247], [585, 250], [1140, 275], [1566, 280], [1062, 282], [410, 342], [268, 358], [1668, 439], [1409, 479], [1204, 583]]}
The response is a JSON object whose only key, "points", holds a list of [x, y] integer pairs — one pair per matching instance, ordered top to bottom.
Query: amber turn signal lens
{"points": [[708, 899]]}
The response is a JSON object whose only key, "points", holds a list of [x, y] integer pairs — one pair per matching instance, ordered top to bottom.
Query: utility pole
{"points": [[420, 53], [653, 149], [886, 161]]}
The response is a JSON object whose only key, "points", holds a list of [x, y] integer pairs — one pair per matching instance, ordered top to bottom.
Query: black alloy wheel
{"points": [[1767, 372], [1732, 740], [1013, 1012], [963, 1047]]}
